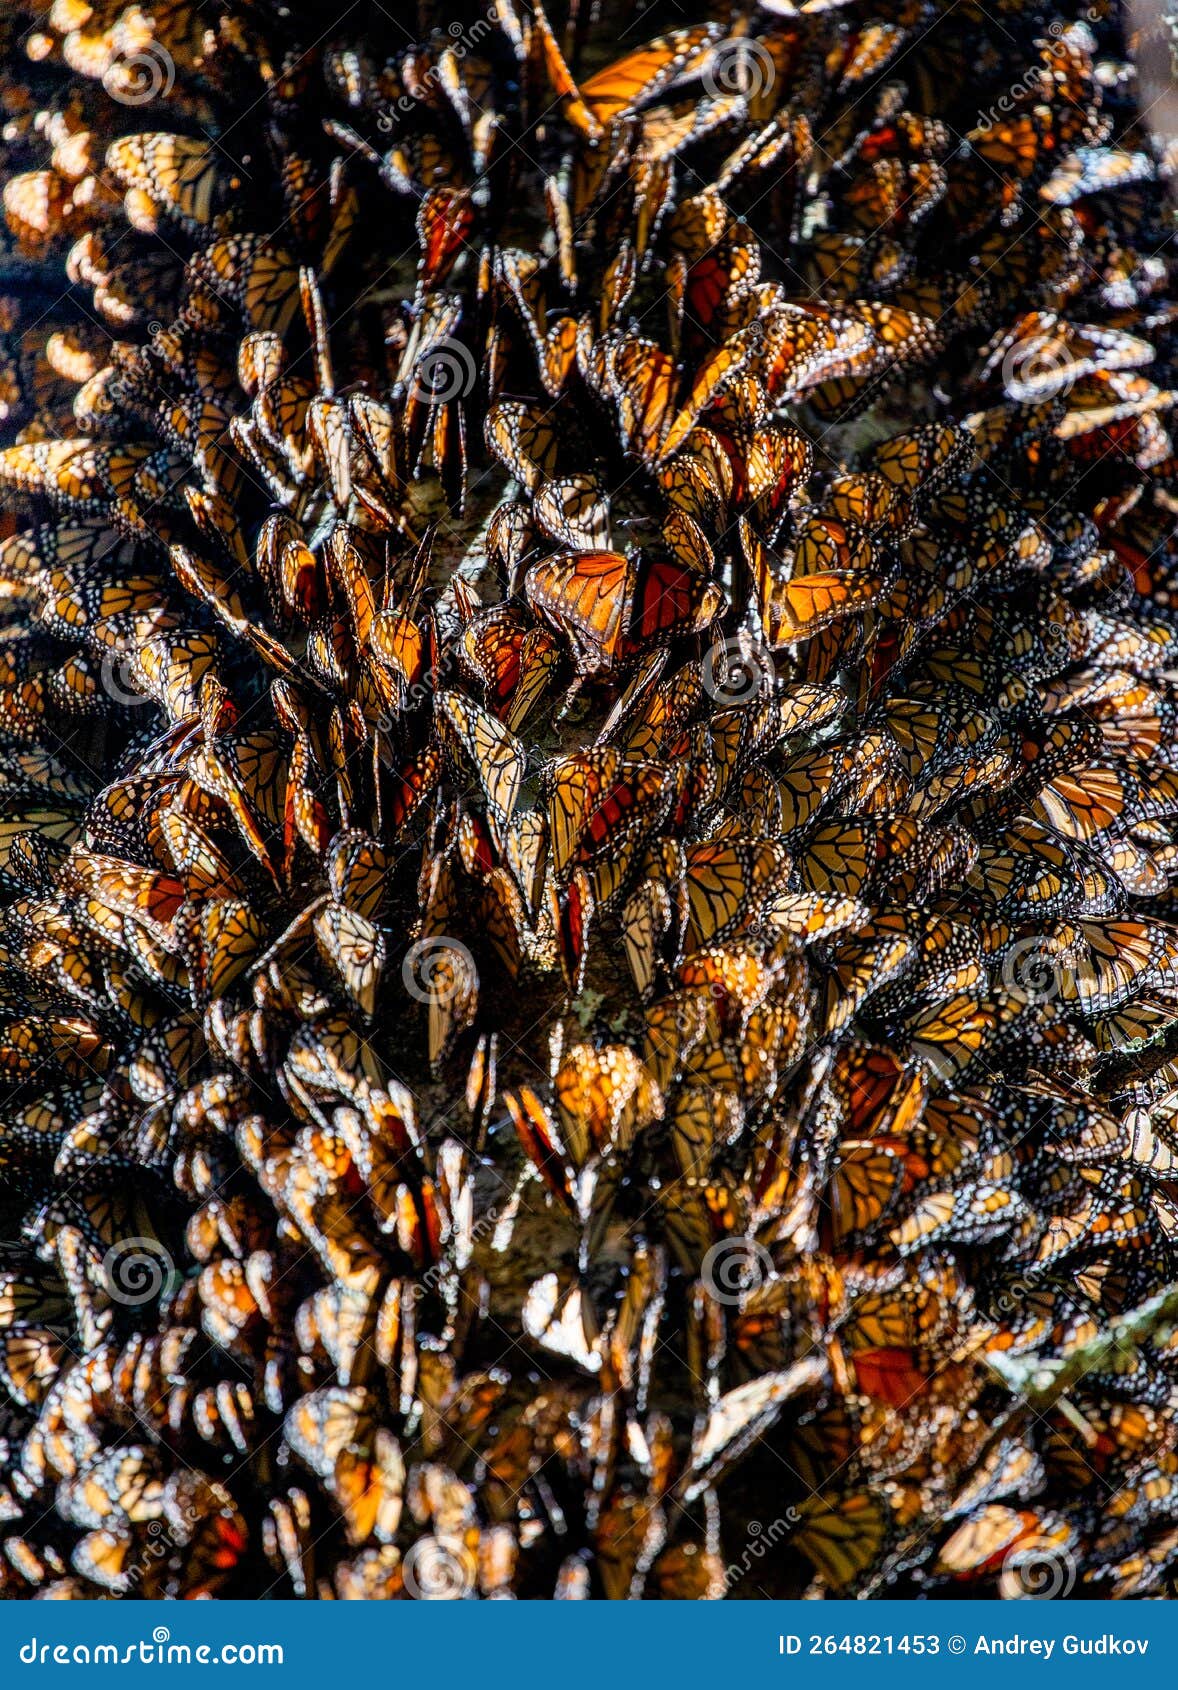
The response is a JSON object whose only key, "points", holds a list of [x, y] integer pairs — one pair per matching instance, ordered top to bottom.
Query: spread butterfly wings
{"points": [[642, 75], [1094, 170], [177, 173], [654, 423], [524, 440], [79, 474], [585, 595], [670, 597], [610, 605], [796, 606], [498, 758], [601, 802], [1081, 803], [726, 884], [1111, 962], [950, 1035], [864, 1184], [30, 1358], [844, 1536]]}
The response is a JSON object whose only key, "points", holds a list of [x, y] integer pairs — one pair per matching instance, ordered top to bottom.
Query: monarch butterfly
{"points": [[641, 75], [1094, 170], [178, 174], [444, 219], [259, 279], [654, 424], [523, 440], [79, 474], [573, 512], [832, 577], [610, 605], [497, 757], [600, 802], [845, 857], [725, 885], [148, 897], [861, 964], [948, 1036], [537, 1134], [864, 1184], [30, 1358], [737, 1420], [123, 1486], [843, 1535], [983, 1543]]}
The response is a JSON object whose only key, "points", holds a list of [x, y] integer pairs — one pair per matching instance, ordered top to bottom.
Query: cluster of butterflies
{"points": [[588, 803]]}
